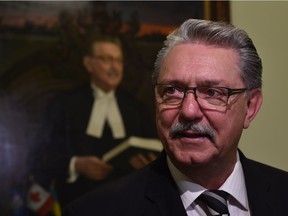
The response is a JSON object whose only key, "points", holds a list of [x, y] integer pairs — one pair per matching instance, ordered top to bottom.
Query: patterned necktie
{"points": [[215, 201]]}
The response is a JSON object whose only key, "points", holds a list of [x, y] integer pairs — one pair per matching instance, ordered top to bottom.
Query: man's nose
{"points": [[190, 108]]}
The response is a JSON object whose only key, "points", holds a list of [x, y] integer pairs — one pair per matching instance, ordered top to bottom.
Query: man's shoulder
{"points": [[78, 91], [123, 94], [73, 95], [131, 104], [259, 165], [265, 168], [264, 172], [114, 194], [127, 194]]}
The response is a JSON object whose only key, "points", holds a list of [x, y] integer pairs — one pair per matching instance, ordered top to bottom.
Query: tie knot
{"points": [[216, 201]]}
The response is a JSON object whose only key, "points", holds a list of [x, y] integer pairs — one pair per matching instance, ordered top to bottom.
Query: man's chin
{"points": [[192, 157]]}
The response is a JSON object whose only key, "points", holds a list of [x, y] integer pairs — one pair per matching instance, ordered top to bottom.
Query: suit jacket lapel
{"points": [[162, 190], [259, 197]]}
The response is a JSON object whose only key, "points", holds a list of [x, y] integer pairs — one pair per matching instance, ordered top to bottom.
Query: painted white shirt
{"points": [[105, 108]]}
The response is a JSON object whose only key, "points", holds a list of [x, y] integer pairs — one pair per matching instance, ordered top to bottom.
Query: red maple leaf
{"points": [[35, 196]]}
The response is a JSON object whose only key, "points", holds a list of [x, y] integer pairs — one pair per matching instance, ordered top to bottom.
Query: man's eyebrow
{"points": [[172, 82], [206, 82], [209, 82]]}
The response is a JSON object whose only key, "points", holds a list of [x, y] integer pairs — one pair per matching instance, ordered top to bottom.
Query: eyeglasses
{"points": [[109, 59], [215, 98]]}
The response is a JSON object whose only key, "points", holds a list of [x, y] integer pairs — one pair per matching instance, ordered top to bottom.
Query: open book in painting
{"points": [[120, 155]]}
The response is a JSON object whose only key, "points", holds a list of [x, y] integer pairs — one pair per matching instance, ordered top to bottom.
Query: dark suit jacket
{"points": [[66, 124], [152, 192]]}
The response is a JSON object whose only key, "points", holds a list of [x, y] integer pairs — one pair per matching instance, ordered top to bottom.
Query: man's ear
{"points": [[87, 62], [254, 103]]}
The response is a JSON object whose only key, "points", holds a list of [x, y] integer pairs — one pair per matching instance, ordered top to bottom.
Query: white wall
{"points": [[267, 24]]}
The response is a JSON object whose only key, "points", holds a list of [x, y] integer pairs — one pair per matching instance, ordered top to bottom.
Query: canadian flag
{"points": [[39, 200]]}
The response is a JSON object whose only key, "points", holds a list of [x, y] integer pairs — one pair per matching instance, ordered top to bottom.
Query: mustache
{"points": [[112, 72], [202, 129]]}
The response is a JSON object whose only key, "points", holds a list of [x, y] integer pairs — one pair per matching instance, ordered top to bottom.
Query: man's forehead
{"points": [[110, 47]]}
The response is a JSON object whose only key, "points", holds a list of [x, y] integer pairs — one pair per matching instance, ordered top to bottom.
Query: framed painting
{"points": [[40, 57]]}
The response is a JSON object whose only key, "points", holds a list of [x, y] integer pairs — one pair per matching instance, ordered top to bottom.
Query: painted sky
{"points": [[158, 15]]}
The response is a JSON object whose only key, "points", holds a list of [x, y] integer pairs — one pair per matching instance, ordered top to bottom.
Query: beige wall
{"points": [[266, 22]]}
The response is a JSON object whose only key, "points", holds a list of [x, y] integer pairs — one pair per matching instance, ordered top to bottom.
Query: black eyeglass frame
{"points": [[186, 89]]}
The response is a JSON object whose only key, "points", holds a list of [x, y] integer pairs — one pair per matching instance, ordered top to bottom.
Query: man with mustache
{"points": [[207, 81], [89, 121], [201, 129]]}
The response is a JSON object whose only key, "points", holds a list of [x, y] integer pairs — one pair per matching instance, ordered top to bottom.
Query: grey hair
{"points": [[216, 34]]}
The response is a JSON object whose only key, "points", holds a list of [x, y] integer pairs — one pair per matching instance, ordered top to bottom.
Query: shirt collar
{"points": [[234, 185], [189, 191]]}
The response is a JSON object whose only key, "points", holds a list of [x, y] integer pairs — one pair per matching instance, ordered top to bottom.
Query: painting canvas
{"points": [[40, 57]]}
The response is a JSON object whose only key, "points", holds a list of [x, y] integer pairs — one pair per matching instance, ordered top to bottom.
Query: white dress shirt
{"points": [[234, 185]]}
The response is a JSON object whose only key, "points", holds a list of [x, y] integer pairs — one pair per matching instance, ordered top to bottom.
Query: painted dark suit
{"points": [[66, 126], [152, 192]]}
